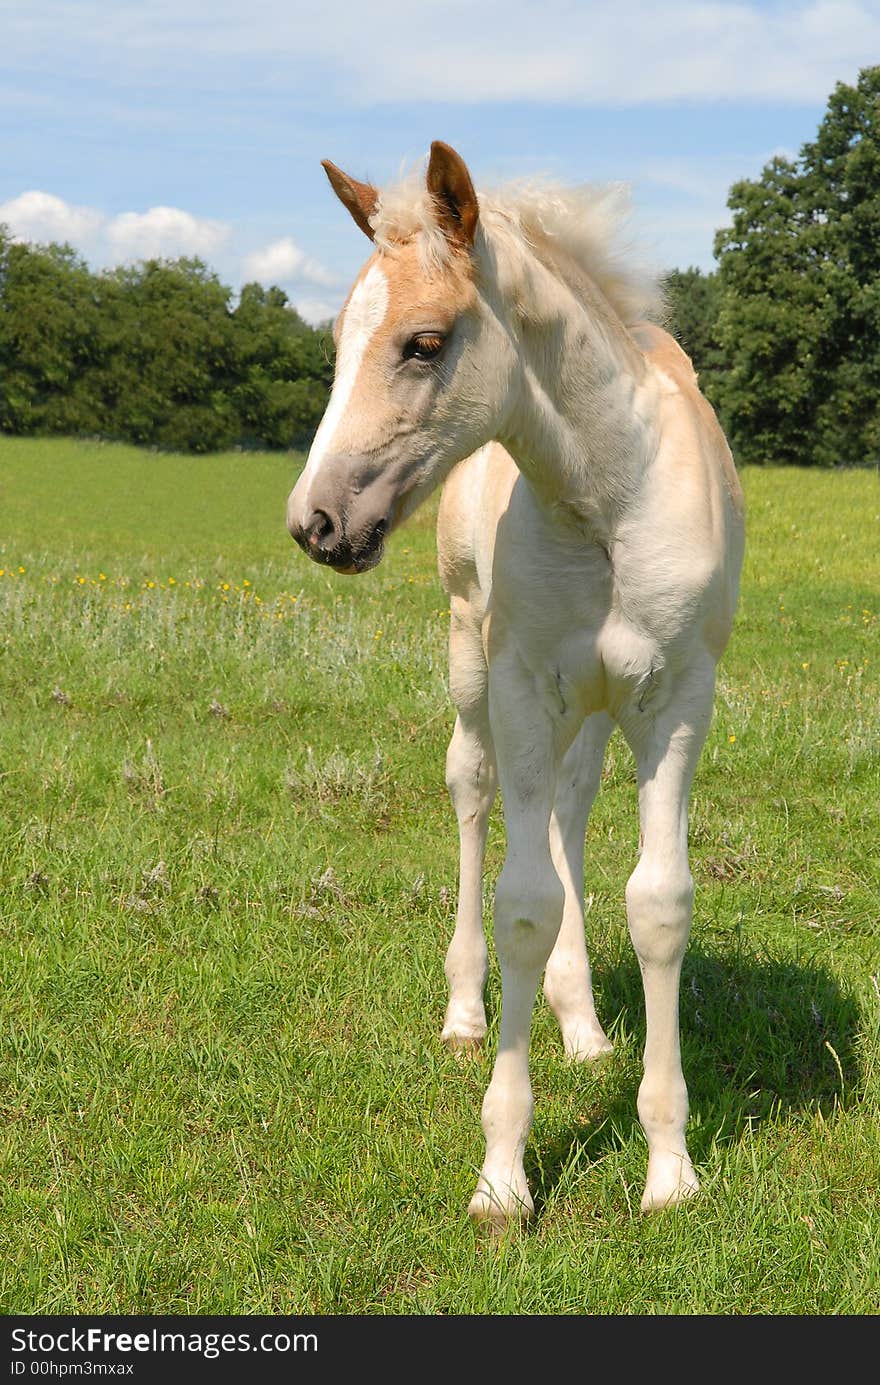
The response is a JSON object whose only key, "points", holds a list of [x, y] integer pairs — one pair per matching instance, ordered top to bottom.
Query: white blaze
{"points": [[363, 317]]}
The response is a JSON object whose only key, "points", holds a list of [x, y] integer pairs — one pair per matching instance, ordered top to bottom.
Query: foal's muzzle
{"points": [[340, 515], [322, 536]]}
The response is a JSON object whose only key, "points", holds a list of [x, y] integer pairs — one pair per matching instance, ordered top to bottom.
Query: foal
{"points": [[591, 547]]}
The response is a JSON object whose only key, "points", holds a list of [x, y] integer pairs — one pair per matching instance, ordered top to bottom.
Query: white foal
{"points": [[591, 545]]}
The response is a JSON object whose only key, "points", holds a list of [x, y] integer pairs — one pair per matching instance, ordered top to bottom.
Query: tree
{"points": [[844, 166], [799, 274], [693, 299], [49, 334], [154, 354], [170, 365], [284, 369]]}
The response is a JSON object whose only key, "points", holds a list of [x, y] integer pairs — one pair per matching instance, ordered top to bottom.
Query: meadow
{"points": [[227, 881]]}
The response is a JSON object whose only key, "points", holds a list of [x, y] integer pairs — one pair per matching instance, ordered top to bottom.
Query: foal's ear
{"points": [[449, 183], [359, 198]]}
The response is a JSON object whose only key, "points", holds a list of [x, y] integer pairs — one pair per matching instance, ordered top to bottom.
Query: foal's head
{"points": [[424, 368]]}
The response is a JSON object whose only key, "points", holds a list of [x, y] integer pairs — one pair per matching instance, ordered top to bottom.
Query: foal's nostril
{"points": [[321, 531]]}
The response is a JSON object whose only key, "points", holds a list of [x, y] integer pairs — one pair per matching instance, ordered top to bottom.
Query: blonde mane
{"points": [[587, 223]]}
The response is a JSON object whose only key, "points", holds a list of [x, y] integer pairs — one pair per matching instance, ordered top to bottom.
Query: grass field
{"points": [[227, 880]]}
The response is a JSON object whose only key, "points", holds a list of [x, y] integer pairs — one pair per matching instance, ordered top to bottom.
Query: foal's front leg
{"points": [[470, 778], [472, 783], [659, 903], [528, 910], [568, 983]]}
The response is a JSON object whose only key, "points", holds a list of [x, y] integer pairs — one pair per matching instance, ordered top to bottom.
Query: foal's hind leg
{"points": [[471, 780], [659, 902], [567, 981]]}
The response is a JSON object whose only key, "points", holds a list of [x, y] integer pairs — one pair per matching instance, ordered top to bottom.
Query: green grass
{"points": [[227, 878]]}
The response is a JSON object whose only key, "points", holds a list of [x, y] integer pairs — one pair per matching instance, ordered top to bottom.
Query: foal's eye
{"points": [[423, 347]]}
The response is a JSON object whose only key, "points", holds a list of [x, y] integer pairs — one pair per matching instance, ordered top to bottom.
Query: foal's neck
{"points": [[578, 430]]}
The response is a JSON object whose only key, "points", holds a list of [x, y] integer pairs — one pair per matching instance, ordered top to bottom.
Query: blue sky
{"points": [[163, 127]]}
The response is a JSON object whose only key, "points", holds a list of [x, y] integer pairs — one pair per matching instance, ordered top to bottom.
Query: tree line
{"points": [[784, 333], [154, 354]]}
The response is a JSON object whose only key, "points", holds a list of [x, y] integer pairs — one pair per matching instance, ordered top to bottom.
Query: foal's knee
{"points": [[470, 776], [659, 905], [528, 912]]}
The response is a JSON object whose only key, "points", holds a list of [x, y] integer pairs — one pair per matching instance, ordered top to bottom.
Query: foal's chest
{"points": [[570, 628]]}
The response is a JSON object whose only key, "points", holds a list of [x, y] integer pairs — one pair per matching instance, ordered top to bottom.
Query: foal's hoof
{"points": [[464, 1045], [584, 1048], [670, 1183], [499, 1214]]}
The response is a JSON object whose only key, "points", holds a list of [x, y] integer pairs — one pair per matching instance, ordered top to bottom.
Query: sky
{"points": [[137, 128]]}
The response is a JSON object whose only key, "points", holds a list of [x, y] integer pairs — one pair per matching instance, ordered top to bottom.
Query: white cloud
{"points": [[605, 52], [622, 52], [41, 217], [163, 232], [169, 232], [283, 262], [316, 310]]}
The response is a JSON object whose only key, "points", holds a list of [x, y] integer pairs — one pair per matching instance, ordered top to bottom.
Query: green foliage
{"points": [[693, 303], [799, 312], [49, 337], [153, 354], [284, 369]]}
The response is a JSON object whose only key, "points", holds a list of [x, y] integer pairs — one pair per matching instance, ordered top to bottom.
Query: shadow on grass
{"points": [[758, 1038]]}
